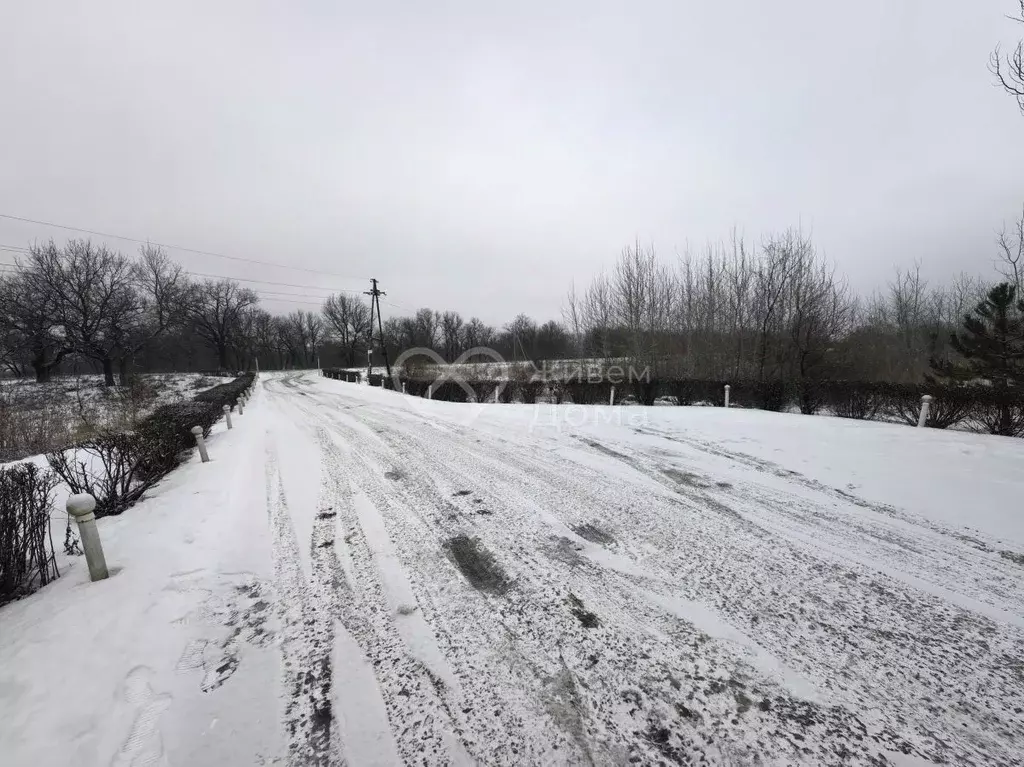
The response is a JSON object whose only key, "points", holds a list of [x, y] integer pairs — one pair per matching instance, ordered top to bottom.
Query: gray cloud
{"points": [[480, 156]]}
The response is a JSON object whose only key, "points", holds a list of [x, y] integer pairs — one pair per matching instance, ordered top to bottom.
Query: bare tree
{"points": [[1009, 69], [1011, 253], [780, 257], [738, 275], [95, 298], [161, 300], [642, 301], [215, 309], [28, 312], [572, 314], [820, 314], [598, 316], [348, 323], [310, 327], [424, 328], [264, 329], [394, 333], [477, 333], [451, 334], [293, 337], [520, 337], [284, 342], [553, 342]]}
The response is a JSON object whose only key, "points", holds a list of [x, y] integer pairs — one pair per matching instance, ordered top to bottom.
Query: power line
{"points": [[169, 247], [17, 249], [240, 279], [271, 282], [267, 295], [270, 295], [293, 295], [289, 301]]}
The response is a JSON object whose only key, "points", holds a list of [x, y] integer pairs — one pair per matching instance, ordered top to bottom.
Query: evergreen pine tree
{"points": [[992, 342], [991, 345]]}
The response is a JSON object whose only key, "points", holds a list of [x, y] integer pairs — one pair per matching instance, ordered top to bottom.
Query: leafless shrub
{"points": [[131, 402], [32, 429], [111, 468], [26, 546]]}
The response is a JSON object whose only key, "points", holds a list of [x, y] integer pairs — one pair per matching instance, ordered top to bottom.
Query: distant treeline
{"points": [[774, 311]]}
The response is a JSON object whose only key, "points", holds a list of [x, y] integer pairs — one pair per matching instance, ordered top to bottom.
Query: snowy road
{"points": [[364, 578], [520, 585]]}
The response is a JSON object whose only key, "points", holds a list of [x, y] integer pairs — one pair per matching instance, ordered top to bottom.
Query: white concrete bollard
{"points": [[403, 387], [496, 390], [727, 390], [430, 391], [611, 398], [926, 404], [241, 405], [227, 414], [201, 443], [81, 508]]}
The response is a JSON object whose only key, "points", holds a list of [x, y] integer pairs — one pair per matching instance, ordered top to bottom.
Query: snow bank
{"points": [[87, 669]]}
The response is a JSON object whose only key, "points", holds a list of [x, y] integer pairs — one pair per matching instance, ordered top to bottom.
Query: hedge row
{"points": [[341, 375], [227, 393], [984, 408], [122, 466], [117, 470]]}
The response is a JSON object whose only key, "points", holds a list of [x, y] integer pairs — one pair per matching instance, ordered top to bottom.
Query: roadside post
{"points": [[926, 404], [197, 431], [82, 507]]}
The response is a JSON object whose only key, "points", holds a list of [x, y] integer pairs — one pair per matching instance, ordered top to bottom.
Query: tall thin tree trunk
{"points": [[42, 370], [108, 372]]}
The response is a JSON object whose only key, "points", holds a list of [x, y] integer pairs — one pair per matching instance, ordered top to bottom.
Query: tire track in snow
{"points": [[806, 610], [771, 614], [307, 640], [900, 644], [594, 696], [420, 717], [421, 727], [494, 729]]}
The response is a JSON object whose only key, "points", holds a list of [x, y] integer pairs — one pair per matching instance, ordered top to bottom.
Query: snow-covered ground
{"points": [[165, 387], [40, 417], [366, 578]]}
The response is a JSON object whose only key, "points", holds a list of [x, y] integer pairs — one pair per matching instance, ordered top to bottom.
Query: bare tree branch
{"points": [[1009, 69]]}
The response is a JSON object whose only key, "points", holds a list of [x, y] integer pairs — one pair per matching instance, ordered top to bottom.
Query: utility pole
{"points": [[375, 295]]}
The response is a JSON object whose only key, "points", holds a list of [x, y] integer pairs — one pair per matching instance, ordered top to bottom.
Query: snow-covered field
{"points": [[164, 387], [35, 418], [366, 578]]}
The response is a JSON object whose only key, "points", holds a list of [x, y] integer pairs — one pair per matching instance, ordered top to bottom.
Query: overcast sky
{"points": [[481, 155]]}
